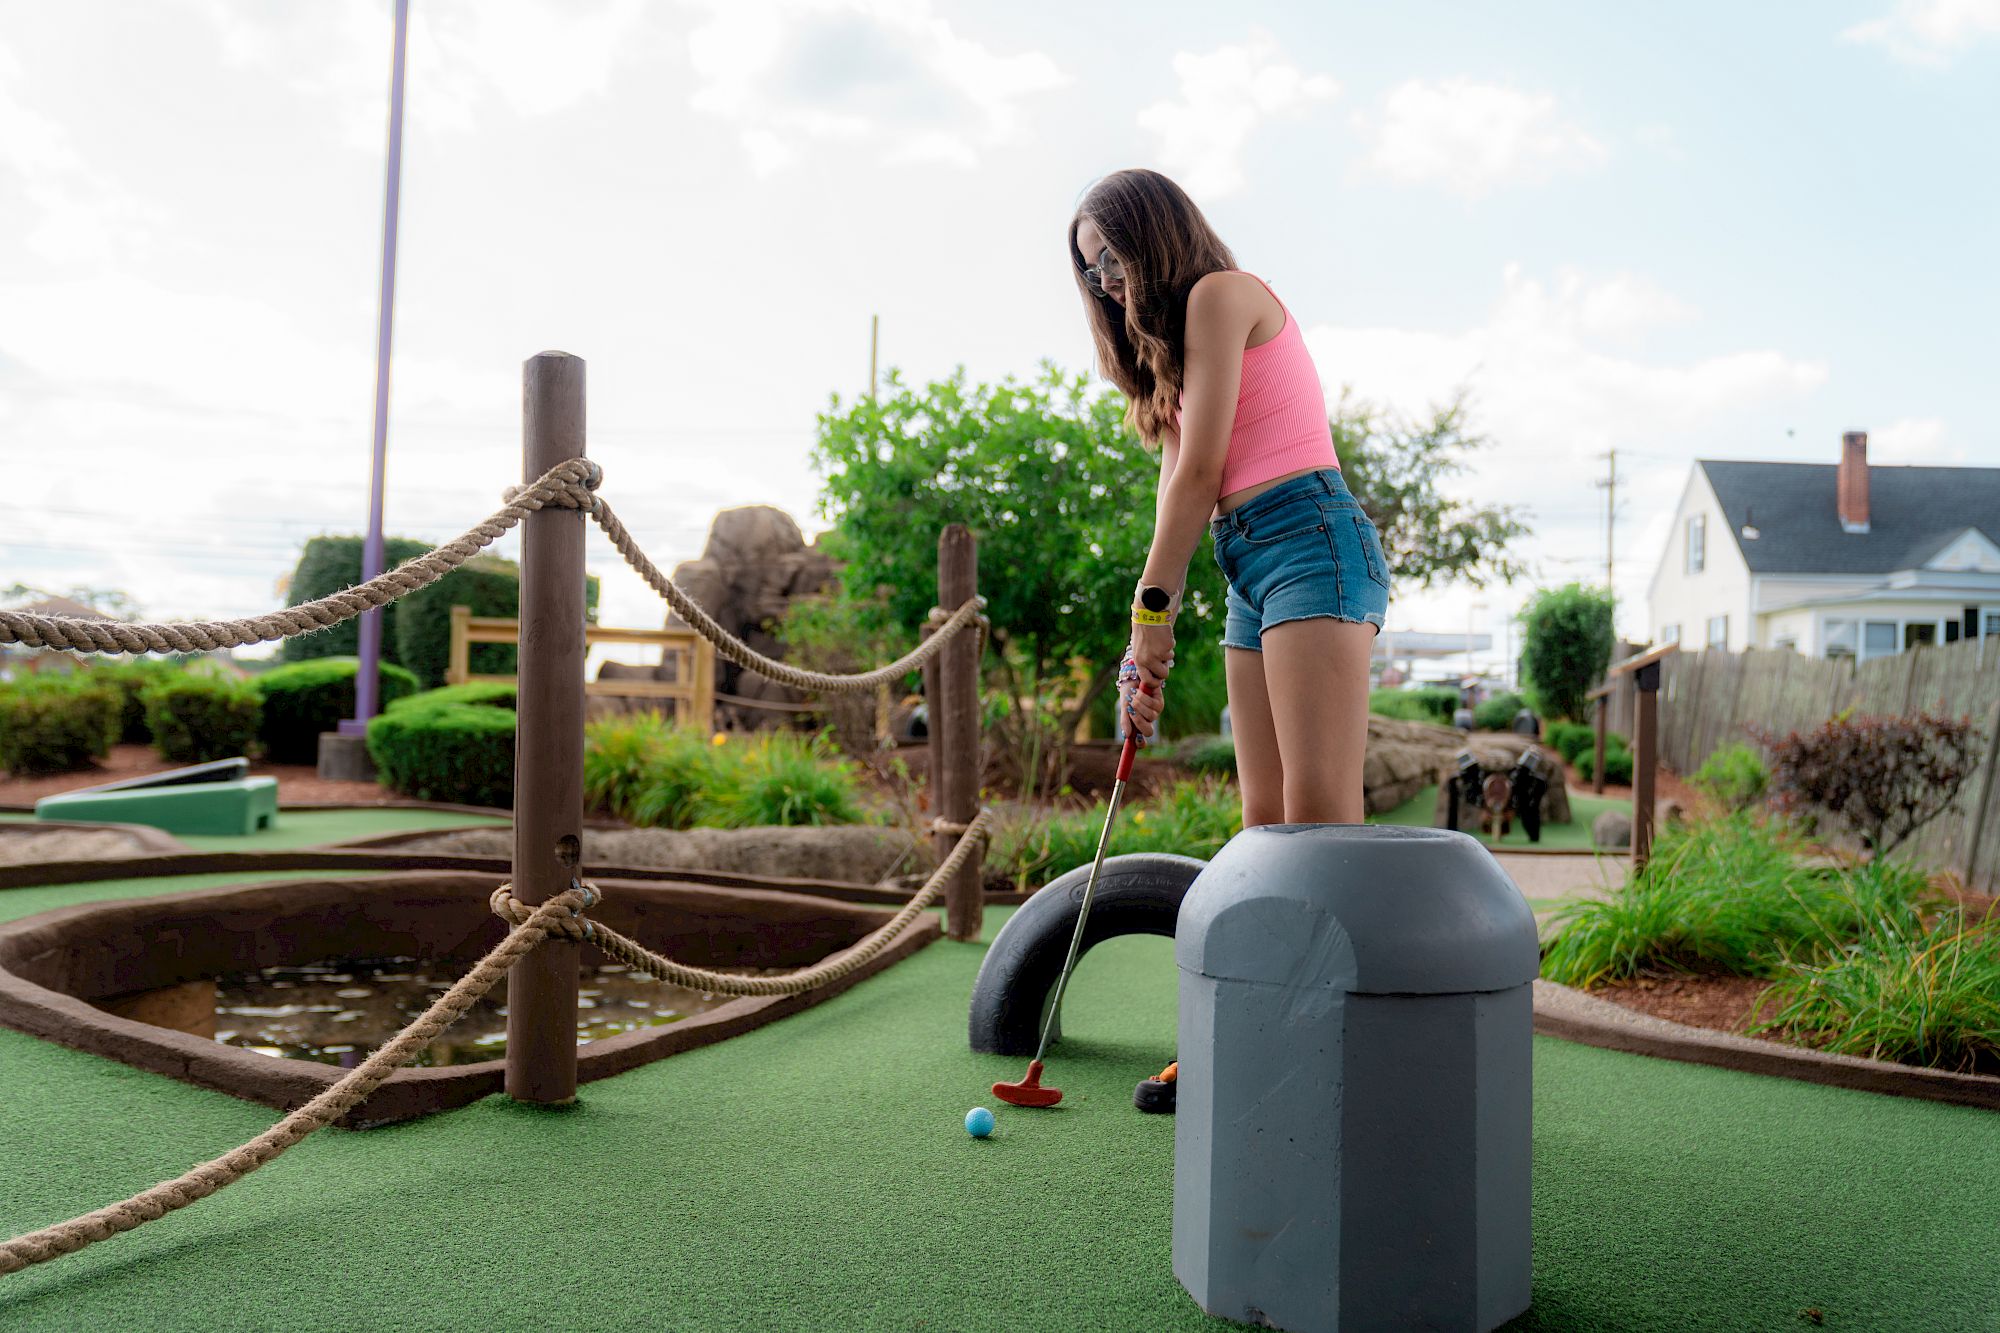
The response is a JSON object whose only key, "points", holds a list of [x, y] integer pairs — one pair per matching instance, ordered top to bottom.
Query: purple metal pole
{"points": [[365, 681]]}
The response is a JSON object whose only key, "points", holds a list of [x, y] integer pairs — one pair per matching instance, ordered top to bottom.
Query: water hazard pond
{"points": [[338, 1012]]}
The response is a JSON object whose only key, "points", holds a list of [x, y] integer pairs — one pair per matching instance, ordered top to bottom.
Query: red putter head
{"points": [[1029, 1091]]}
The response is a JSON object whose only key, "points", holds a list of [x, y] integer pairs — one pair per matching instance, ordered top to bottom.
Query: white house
{"points": [[1830, 560]]}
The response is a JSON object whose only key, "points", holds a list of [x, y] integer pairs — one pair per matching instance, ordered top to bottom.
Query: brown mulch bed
{"points": [[298, 784], [1720, 1003]]}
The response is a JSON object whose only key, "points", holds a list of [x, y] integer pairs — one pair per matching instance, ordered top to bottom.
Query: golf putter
{"points": [[1029, 1091]]}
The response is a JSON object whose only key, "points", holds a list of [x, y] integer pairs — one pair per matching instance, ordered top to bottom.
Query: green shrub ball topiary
{"points": [[303, 699], [197, 718], [55, 723], [444, 751]]}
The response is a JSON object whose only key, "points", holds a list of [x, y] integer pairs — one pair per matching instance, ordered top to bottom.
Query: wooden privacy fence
{"points": [[692, 690], [1708, 696]]}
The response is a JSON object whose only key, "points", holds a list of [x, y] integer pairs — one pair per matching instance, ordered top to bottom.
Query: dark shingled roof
{"points": [[1912, 512]]}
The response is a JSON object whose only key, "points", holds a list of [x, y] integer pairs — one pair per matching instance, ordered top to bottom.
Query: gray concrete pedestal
{"points": [[344, 758], [1352, 1141]]}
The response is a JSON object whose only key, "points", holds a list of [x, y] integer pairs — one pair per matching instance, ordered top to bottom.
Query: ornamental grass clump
{"points": [[649, 772], [783, 777], [1733, 777], [1188, 818], [1723, 896], [1917, 992]]}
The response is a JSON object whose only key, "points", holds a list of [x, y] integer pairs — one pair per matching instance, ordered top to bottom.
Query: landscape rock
{"points": [[1611, 829]]}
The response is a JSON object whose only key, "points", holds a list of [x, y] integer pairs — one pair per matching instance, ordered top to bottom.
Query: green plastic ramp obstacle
{"points": [[246, 805]]}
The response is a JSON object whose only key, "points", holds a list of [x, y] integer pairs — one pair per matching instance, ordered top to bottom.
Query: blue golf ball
{"points": [[979, 1122]]}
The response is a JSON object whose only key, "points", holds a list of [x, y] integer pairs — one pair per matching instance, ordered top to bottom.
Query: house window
{"points": [[1697, 540], [1992, 625], [1718, 631], [1918, 631], [1672, 633], [1839, 638], [1878, 639], [1786, 645]]}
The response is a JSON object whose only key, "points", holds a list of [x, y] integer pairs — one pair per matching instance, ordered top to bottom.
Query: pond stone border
{"points": [[54, 964]]}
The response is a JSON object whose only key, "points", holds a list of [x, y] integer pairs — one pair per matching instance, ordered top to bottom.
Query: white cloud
{"points": [[1928, 32], [535, 57], [884, 72], [1222, 97], [1471, 137], [81, 216], [1544, 383], [1552, 394], [1925, 441]]}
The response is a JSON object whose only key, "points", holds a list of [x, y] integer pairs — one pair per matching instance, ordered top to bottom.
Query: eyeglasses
{"points": [[1107, 270]]}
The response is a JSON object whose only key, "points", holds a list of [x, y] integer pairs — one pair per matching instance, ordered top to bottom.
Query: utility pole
{"points": [[874, 331], [1610, 486], [366, 689]]}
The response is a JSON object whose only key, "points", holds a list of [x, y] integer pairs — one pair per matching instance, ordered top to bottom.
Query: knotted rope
{"points": [[566, 485], [741, 653], [560, 915], [637, 955], [68, 1237]]}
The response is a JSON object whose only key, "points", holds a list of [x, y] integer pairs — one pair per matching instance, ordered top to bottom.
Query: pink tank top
{"points": [[1281, 423]]}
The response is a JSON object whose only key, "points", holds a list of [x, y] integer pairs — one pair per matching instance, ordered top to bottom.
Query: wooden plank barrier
{"points": [[693, 695]]}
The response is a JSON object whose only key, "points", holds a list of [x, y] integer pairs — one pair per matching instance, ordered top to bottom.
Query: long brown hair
{"points": [[1165, 246]]}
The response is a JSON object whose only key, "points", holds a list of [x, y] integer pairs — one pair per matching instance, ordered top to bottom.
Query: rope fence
{"points": [[570, 484], [562, 916]]}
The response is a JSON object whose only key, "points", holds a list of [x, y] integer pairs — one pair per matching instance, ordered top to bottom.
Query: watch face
{"points": [[1154, 599]]}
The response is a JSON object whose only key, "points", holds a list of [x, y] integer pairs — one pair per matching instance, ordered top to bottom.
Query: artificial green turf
{"points": [[1420, 811], [814, 1175]]}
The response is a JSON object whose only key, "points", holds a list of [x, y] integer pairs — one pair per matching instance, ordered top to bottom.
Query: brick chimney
{"points": [[1854, 481]]}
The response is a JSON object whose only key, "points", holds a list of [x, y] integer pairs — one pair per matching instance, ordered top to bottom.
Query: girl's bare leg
{"points": [[1316, 674], [1259, 772]]}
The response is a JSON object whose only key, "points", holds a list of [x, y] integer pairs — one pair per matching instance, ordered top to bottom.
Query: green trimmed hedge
{"points": [[327, 565], [486, 583], [130, 679], [481, 693], [303, 699], [1425, 705], [1497, 713], [197, 718], [51, 724], [1570, 739], [445, 750], [1617, 761]]}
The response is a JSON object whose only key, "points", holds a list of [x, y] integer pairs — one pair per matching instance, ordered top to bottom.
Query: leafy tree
{"points": [[1393, 466], [1060, 496], [1567, 646]]}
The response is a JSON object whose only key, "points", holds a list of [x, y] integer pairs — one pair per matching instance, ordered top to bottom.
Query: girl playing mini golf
{"points": [[1219, 379]]}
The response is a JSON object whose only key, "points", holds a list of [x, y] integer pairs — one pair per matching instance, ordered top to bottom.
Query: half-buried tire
{"points": [[1138, 894]]}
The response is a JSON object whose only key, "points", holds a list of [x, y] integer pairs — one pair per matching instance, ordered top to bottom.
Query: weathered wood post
{"points": [[1645, 671], [1603, 696], [954, 731], [548, 744]]}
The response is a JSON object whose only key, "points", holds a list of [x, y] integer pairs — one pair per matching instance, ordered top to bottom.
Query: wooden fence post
{"points": [[459, 668], [1645, 671], [954, 731], [548, 749], [1645, 757], [1597, 773], [1983, 799]]}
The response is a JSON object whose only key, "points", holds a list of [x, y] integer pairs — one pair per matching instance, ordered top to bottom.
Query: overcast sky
{"points": [[1701, 230]]}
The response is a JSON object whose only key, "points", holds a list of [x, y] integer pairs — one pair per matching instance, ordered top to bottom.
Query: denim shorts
{"points": [[1301, 550]]}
